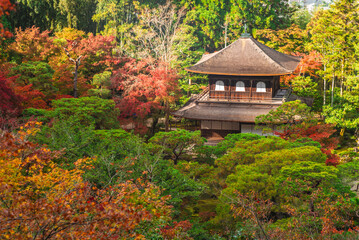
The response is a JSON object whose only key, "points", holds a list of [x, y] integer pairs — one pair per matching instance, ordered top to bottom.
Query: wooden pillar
{"points": [[274, 86], [250, 93]]}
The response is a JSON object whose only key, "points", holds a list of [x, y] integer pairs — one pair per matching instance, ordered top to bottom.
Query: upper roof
{"points": [[246, 57]]}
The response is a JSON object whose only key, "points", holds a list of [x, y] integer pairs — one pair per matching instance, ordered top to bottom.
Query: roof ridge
{"points": [[263, 52]]}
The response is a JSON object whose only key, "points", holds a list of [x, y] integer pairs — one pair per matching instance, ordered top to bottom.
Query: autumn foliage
{"points": [[33, 45], [308, 66], [145, 89], [9, 100], [10, 103], [295, 121], [320, 132], [41, 200], [177, 230]]}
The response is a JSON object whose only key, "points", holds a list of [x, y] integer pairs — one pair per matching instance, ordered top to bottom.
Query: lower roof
{"points": [[234, 112]]}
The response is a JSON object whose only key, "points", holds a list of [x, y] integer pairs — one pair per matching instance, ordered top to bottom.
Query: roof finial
{"points": [[245, 34]]}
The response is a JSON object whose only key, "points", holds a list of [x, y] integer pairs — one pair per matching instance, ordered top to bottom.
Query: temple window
{"points": [[219, 86], [240, 86], [261, 87]]}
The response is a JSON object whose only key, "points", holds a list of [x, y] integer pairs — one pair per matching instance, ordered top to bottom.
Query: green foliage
{"points": [[64, 13], [260, 15], [113, 16], [301, 17], [334, 35], [290, 40], [39, 74], [102, 79], [102, 83], [304, 86], [100, 92], [88, 110], [288, 113], [344, 113], [41, 115], [74, 122], [69, 135], [230, 141], [301, 142], [176, 144], [245, 152], [205, 154], [117, 156], [121, 156], [271, 162], [255, 166], [197, 171], [349, 172], [314, 174], [259, 175], [251, 178], [180, 187], [203, 231]]}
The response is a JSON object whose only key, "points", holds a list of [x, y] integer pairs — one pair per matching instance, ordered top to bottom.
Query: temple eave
{"points": [[238, 74]]}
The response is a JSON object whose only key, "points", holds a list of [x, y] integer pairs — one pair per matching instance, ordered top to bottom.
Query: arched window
{"points": [[219, 86], [240, 86], [261, 87]]}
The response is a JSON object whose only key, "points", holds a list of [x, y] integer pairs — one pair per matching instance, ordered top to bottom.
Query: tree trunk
{"points": [[225, 33], [77, 64], [342, 79], [75, 80], [324, 85], [332, 90], [167, 116], [154, 124]]}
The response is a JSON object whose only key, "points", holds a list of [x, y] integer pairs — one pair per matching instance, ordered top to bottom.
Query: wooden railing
{"points": [[248, 95]]}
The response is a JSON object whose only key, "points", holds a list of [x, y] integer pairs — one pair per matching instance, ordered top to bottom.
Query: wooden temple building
{"points": [[243, 83]]}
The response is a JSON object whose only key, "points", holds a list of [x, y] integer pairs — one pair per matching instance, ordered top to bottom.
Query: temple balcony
{"points": [[250, 95]]}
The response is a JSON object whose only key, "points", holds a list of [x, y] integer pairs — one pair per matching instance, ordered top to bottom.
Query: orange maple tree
{"points": [[33, 45]]}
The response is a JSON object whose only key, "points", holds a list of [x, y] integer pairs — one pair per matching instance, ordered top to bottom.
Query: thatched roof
{"points": [[246, 57]]}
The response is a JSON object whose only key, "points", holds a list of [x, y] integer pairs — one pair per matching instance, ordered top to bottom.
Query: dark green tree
{"points": [[176, 144]]}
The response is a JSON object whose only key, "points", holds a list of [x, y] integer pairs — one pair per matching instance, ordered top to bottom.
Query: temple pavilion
{"points": [[243, 83]]}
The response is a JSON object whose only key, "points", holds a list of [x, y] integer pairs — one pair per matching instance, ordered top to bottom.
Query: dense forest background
{"points": [[86, 92]]}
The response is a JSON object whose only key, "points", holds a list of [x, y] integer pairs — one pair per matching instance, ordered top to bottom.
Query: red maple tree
{"points": [[308, 66], [146, 88], [10, 103]]}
